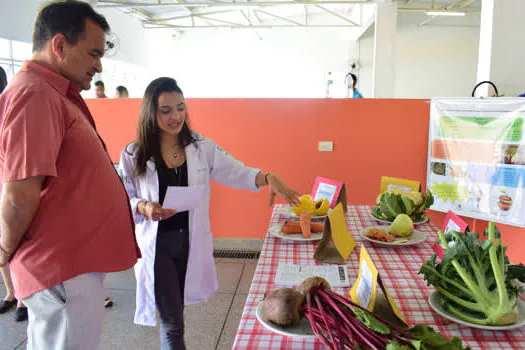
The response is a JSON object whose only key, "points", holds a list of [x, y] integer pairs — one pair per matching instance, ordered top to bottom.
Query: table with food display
{"points": [[471, 299]]}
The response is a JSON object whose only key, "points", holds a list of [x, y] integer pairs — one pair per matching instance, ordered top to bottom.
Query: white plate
{"points": [[289, 213], [422, 221], [275, 230], [416, 237], [434, 298], [302, 330]]}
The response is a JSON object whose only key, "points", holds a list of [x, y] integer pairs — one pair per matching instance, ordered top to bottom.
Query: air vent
{"points": [[236, 254]]}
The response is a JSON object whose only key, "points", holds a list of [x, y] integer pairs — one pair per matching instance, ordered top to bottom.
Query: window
{"points": [[12, 56]]}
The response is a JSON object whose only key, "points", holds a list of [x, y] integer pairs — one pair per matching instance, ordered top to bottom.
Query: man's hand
{"points": [[20, 200], [155, 212]]}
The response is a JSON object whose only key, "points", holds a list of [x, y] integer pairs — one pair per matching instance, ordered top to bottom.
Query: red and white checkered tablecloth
{"points": [[399, 272]]}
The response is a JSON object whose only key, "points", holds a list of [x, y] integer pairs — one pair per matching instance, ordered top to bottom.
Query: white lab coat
{"points": [[205, 161]]}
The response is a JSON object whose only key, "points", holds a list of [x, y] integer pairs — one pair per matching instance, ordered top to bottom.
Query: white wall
{"points": [[17, 18], [131, 36], [504, 45], [431, 60], [239, 64]]}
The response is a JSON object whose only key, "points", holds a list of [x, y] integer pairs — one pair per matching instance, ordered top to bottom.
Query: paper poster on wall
{"points": [[476, 158]]}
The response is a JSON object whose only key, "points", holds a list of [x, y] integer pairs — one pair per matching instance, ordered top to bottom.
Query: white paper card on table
{"points": [[183, 198], [294, 275]]}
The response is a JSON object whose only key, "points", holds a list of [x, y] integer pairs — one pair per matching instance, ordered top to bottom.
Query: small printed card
{"points": [[388, 183], [334, 191], [452, 223], [293, 275], [364, 290]]}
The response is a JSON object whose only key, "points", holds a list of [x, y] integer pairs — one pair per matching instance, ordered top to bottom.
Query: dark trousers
{"points": [[171, 261]]}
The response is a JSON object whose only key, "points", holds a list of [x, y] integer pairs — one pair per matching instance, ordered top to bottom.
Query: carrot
{"points": [[305, 221], [295, 227], [317, 227], [290, 229]]}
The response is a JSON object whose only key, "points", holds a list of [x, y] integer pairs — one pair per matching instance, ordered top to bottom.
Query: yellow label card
{"points": [[388, 183], [343, 240], [364, 290]]}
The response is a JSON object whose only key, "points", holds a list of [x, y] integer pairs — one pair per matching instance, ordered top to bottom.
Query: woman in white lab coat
{"points": [[177, 266]]}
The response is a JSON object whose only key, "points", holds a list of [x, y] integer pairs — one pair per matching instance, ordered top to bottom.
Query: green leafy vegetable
{"points": [[392, 203], [475, 279]]}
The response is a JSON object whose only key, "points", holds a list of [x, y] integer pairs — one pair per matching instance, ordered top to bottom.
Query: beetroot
{"points": [[311, 282], [283, 306]]}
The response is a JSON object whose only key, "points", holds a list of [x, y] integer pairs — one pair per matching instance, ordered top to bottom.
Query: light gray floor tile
{"points": [[228, 275], [247, 277], [121, 280], [204, 322], [232, 322], [119, 331], [11, 333]]}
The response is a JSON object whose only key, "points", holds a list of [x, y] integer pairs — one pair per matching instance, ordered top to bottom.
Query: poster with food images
{"points": [[476, 158]]}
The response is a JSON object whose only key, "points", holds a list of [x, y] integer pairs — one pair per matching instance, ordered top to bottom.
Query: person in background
{"points": [[100, 89], [122, 92], [356, 94], [65, 216], [178, 268], [10, 301]]}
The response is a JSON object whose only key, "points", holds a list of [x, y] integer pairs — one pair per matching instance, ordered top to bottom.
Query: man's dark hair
{"points": [[66, 17], [99, 83]]}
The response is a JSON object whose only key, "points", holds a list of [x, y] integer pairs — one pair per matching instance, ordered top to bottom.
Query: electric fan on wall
{"points": [[112, 44]]}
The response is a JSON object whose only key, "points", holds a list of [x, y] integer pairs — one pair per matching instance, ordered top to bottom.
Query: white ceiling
{"points": [[247, 14]]}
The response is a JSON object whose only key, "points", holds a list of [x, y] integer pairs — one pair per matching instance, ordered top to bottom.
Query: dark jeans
{"points": [[171, 261]]}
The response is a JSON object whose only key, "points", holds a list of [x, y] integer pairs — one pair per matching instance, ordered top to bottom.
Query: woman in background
{"points": [[122, 92], [356, 94], [177, 266], [10, 301]]}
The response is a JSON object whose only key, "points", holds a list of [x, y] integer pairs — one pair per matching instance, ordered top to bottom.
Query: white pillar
{"points": [[502, 46], [385, 49]]}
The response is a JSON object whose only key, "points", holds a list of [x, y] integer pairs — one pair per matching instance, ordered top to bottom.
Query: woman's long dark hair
{"points": [[3, 79], [147, 144]]}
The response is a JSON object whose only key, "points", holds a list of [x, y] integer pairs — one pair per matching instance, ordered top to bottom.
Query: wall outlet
{"points": [[326, 146]]}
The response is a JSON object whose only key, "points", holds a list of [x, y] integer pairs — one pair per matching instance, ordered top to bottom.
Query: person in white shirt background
{"points": [[177, 267]]}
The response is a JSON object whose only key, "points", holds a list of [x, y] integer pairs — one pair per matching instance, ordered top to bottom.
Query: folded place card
{"points": [[388, 183], [334, 191], [452, 222], [337, 243], [364, 290]]}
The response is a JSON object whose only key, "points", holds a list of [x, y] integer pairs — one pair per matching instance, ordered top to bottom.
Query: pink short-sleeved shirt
{"points": [[83, 222]]}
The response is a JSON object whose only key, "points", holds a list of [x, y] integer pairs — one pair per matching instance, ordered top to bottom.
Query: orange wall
{"points": [[372, 137]]}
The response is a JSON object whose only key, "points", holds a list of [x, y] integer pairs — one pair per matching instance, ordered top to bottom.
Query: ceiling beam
{"points": [[111, 4], [306, 14], [335, 14], [188, 16], [246, 17], [279, 17], [219, 21], [263, 26]]}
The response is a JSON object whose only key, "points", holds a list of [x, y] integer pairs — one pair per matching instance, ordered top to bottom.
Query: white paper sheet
{"points": [[182, 198], [293, 275]]}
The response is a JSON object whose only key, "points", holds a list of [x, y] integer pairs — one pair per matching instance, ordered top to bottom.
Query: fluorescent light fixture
{"points": [[445, 13]]}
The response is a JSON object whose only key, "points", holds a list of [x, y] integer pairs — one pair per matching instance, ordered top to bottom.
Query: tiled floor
{"points": [[209, 326]]}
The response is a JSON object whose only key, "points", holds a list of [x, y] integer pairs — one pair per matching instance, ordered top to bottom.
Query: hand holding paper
{"points": [[182, 198]]}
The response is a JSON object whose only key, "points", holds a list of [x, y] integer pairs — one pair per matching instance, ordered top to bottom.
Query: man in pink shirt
{"points": [[65, 216]]}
